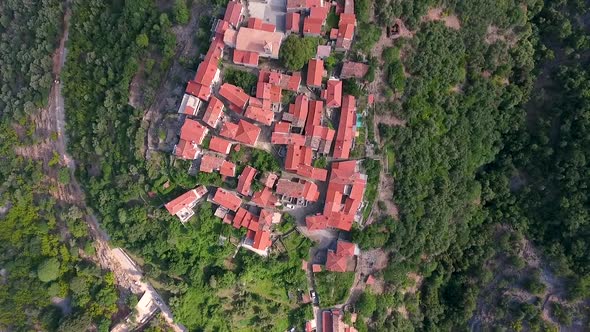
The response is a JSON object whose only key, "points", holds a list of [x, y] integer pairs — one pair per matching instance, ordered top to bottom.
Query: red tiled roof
{"points": [[296, 4], [349, 7], [233, 13], [320, 13], [347, 18], [293, 22], [258, 24], [312, 26], [221, 27], [346, 31], [334, 33], [323, 51], [215, 52], [246, 58], [354, 69], [315, 71], [206, 72], [293, 82], [198, 90], [263, 90], [333, 93], [234, 95], [371, 99], [189, 105], [299, 110], [213, 112], [260, 115], [314, 116], [346, 130], [193, 131], [243, 132], [287, 138], [220, 145], [186, 150], [294, 156], [210, 163], [227, 168], [311, 172], [269, 179], [245, 180], [300, 189], [264, 198], [227, 199], [185, 200], [262, 240], [344, 248], [336, 263], [316, 268], [370, 280], [327, 323]]}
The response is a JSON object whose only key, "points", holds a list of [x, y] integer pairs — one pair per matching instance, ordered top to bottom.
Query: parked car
{"points": [[314, 297]]}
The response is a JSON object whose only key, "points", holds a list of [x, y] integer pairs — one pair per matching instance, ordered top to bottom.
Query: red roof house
{"points": [[233, 13], [292, 24], [312, 26], [248, 59], [354, 69], [207, 72], [315, 72], [200, 91], [333, 93], [235, 96], [189, 105], [298, 111], [213, 112], [259, 114], [346, 128], [192, 131], [243, 132], [220, 145], [186, 150], [297, 155], [210, 162], [227, 168], [269, 179], [245, 180], [298, 189], [264, 198], [343, 198], [227, 199], [182, 206], [338, 261]]}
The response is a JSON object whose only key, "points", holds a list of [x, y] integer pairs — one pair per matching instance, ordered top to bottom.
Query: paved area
{"points": [[273, 11]]}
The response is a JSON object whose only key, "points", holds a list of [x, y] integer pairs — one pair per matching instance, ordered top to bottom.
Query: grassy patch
{"points": [[243, 79], [333, 288]]}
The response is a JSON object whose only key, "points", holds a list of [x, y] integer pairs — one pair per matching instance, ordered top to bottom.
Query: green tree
{"points": [[181, 12], [142, 40], [296, 52], [48, 270], [366, 304]]}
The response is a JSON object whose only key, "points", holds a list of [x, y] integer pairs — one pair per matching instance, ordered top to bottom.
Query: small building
{"points": [[234, 13], [293, 23], [323, 51], [246, 58], [352, 69], [315, 72], [333, 93], [235, 96], [189, 105], [298, 111], [213, 112], [261, 115], [346, 128], [192, 131], [243, 132], [220, 145], [269, 179], [245, 180], [298, 189], [265, 198], [227, 199], [183, 205], [340, 260]]}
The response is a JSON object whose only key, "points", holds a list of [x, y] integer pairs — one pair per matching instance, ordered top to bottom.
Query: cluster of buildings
{"points": [[220, 117]]}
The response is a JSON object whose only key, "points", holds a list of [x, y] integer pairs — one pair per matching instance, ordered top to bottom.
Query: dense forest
{"points": [[493, 154], [47, 281]]}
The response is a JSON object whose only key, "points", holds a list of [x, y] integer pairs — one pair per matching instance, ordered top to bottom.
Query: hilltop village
{"points": [[311, 135]]}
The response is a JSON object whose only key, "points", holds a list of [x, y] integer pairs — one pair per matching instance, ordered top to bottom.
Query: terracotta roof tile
{"points": [[315, 72], [213, 112], [220, 145], [245, 180], [227, 199]]}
